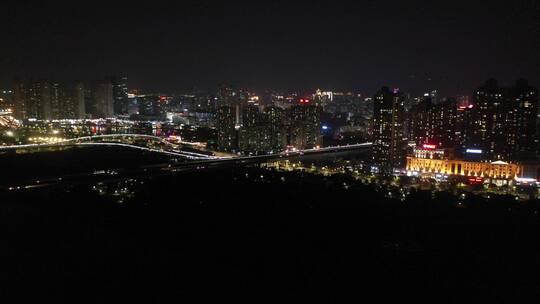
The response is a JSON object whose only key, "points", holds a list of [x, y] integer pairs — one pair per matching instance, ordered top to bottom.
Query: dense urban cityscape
{"points": [[486, 142], [270, 151]]}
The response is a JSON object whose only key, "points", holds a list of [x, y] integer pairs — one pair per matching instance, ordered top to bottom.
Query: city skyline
{"points": [[176, 47], [262, 151]]}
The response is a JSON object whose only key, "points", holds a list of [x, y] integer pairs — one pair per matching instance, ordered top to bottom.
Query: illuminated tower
{"points": [[388, 116], [521, 118], [275, 119], [489, 120], [505, 120], [227, 139]]}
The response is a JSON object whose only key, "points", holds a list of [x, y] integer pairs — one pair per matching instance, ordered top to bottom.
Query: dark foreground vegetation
{"points": [[260, 236]]}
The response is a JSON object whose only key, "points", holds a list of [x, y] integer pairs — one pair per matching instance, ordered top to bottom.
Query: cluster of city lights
{"points": [[6, 111], [49, 140]]}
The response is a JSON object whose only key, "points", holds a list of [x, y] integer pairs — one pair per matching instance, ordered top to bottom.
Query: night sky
{"points": [[174, 46]]}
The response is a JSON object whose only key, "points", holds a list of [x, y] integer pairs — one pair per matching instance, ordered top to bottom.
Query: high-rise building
{"points": [[120, 94], [20, 95], [237, 98], [44, 100], [104, 100], [38, 101], [79, 101], [60, 102], [66, 103], [90, 104], [151, 106], [522, 107], [251, 116], [388, 117], [505, 118], [445, 119], [275, 120], [489, 120], [420, 122], [435, 124], [305, 125], [464, 128], [254, 134], [227, 139]]}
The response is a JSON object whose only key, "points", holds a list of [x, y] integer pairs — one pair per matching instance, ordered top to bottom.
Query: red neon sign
{"points": [[426, 146], [476, 180]]}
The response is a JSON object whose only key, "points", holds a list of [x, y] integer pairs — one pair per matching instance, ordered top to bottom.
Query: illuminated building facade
{"points": [[230, 96], [38, 101], [47, 101], [388, 118], [275, 119], [489, 119], [444, 121], [501, 121], [504, 122], [433, 123], [305, 125], [268, 129], [420, 129], [463, 130], [263, 131], [254, 134], [227, 139], [254, 139], [521, 140], [429, 160], [494, 170]]}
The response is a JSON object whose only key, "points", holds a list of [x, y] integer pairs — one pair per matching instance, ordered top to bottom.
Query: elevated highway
{"points": [[133, 141], [195, 162]]}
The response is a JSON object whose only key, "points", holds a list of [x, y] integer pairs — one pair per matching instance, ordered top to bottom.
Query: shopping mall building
{"points": [[429, 161]]}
